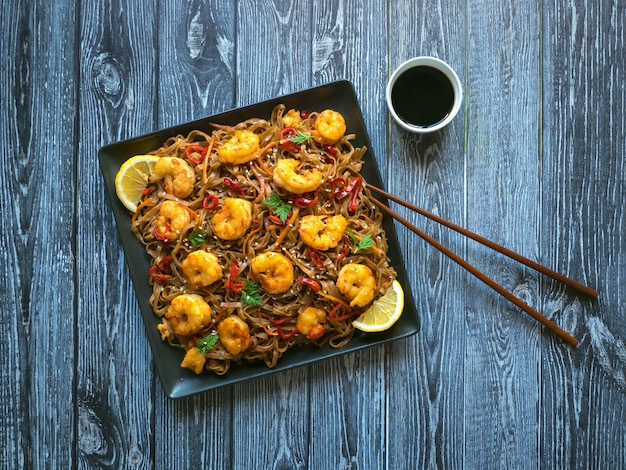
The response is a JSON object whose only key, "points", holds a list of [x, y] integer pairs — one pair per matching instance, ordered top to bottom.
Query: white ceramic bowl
{"points": [[447, 71]]}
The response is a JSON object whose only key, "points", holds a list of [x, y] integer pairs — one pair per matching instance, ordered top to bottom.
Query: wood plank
{"points": [[196, 43], [196, 54], [36, 201], [503, 204], [585, 209], [425, 374], [116, 383], [354, 420]]}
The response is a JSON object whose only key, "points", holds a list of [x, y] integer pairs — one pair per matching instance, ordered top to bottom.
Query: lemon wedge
{"points": [[132, 179], [384, 312]]}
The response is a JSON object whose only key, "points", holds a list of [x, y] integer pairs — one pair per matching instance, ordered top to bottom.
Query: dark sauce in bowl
{"points": [[422, 96]]}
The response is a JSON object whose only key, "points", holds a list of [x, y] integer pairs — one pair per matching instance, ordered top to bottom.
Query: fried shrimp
{"points": [[291, 118], [330, 125], [241, 148], [178, 176], [286, 177], [172, 219], [233, 220], [322, 232], [202, 268], [274, 271], [357, 283], [188, 314], [309, 322], [234, 334], [194, 360]]}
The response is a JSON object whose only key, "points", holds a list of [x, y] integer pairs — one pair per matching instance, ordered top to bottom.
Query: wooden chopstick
{"points": [[499, 248], [561, 333]]}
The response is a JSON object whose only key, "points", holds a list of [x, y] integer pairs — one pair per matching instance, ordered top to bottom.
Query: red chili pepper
{"points": [[304, 114], [287, 131], [285, 141], [195, 148], [330, 149], [339, 184], [354, 184], [234, 186], [147, 191], [355, 195], [210, 202], [303, 202], [275, 220], [345, 249], [316, 259], [165, 262], [154, 271], [160, 278], [306, 281], [231, 284], [332, 317], [280, 321], [284, 335]]}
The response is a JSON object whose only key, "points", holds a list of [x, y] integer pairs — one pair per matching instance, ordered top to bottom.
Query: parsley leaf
{"points": [[300, 138], [280, 208], [197, 237], [362, 244], [251, 294], [207, 343]]}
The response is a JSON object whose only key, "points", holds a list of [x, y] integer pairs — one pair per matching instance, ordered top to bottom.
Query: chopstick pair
{"points": [[564, 335]]}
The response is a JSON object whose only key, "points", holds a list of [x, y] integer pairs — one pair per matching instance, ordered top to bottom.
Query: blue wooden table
{"points": [[535, 160]]}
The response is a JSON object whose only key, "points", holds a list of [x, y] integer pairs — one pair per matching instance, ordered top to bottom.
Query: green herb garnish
{"points": [[300, 138], [280, 208], [197, 237], [362, 244], [251, 294], [204, 345]]}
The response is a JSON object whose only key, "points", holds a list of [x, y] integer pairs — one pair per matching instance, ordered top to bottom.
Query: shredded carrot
{"points": [[266, 148], [260, 161], [205, 178], [261, 184], [139, 207], [192, 212], [288, 226], [247, 239], [374, 248], [335, 299], [331, 315], [269, 332]]}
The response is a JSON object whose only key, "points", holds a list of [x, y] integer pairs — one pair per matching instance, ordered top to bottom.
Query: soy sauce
{"points": [[422, 96]]}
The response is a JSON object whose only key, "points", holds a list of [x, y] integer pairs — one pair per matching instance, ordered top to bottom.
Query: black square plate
{"points": [[178, 382]]}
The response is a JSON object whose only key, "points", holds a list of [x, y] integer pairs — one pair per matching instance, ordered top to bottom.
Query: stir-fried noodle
{"points": [[261, 237]]}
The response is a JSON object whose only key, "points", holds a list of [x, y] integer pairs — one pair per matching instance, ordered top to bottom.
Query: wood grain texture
{"points": [[196, 53], [535, 160], [584, 163], [428, 171], [503, 190], [38, 279], [116, 384]]}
